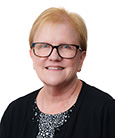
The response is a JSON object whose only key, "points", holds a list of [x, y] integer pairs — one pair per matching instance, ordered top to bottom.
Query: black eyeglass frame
{"points": [[33, 46]]}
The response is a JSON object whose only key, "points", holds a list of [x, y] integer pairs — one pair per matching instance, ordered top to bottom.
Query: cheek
{"points": [[76, 62], [37, 63], [73, 65], [76, 65]]}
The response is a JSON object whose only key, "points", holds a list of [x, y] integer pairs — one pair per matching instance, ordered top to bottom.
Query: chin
{"points": [[54, 83]]}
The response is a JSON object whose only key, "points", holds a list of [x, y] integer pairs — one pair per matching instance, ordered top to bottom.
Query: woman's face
{"points": [[54, 70]]}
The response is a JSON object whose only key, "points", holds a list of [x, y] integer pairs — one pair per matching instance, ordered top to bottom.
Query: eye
{"points": [[44, 46], [65, 46]]}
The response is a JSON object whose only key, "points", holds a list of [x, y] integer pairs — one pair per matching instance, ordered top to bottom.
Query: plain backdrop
{"points": [[17, 77]]}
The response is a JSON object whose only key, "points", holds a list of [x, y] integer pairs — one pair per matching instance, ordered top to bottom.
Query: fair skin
{"points": [[61, 84]]}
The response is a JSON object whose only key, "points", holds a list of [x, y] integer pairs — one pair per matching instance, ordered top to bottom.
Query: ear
{"points": [[31, 54], [81, 60]]}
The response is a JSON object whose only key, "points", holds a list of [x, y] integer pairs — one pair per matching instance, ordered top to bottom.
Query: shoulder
{"points": [[96, 96], [25, 98], [23, 101], [98, 103], [20, 107], [97, 112], [17, 114]]}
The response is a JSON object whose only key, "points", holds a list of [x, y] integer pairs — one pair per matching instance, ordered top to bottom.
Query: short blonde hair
{"points": [[59, 15]]}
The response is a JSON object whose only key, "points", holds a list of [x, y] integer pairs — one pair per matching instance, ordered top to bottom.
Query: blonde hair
{"points": [[59, 15]]}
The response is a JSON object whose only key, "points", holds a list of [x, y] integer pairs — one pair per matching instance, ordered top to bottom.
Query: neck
{"points": [[64, 90], [58, 97]]}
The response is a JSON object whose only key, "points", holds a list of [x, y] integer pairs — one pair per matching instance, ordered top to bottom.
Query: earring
{"points": [[78, 70]]}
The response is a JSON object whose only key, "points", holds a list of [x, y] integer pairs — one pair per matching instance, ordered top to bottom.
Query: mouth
{"points": [[54, 68]]}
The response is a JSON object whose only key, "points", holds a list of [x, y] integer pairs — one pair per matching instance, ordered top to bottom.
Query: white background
{"points": [[17, 77]]}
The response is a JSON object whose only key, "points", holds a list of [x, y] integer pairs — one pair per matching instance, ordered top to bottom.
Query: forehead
{"points": [[56, 33]]}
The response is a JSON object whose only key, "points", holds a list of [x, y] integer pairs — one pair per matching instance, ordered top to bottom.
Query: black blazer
{"points": [[92, 117]]}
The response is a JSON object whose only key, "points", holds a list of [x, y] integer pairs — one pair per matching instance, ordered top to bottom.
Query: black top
{"points": [[93, 117]]}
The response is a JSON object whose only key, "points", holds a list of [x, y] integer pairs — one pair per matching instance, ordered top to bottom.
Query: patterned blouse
{"points": [[48, 124]]}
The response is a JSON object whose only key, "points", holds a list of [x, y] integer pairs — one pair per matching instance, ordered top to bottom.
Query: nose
{"points": [[54, 55]]}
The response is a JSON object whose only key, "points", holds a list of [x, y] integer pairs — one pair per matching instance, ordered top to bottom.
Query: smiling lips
{"points": [[54, 68]]}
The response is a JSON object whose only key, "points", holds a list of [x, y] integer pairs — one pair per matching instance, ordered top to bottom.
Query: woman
{"points": [[65, 107]]}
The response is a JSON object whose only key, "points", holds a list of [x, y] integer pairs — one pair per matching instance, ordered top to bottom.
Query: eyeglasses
{"points": [[44, 50]]}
